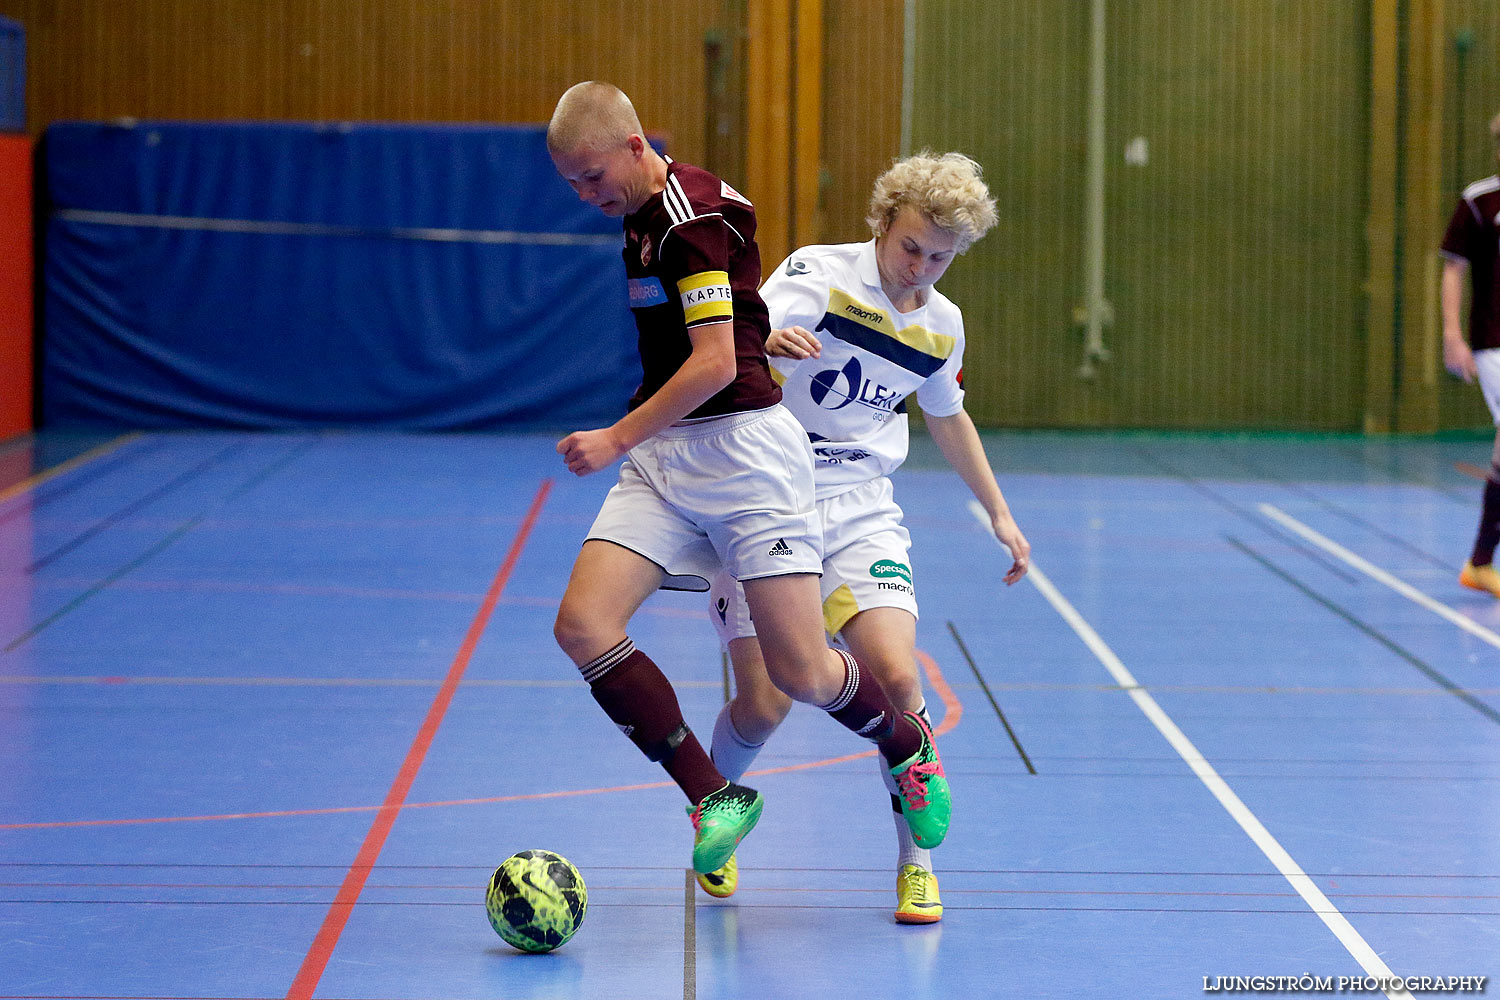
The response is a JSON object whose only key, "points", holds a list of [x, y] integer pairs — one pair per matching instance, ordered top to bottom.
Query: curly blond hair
{"points": [[948, 189]]}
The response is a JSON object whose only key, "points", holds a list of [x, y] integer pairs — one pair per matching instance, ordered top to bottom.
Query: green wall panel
{"points": [[1468, 153], [1235, 254]]}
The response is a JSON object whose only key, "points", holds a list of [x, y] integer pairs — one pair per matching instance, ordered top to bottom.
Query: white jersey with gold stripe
{"points": [[852, 400]]}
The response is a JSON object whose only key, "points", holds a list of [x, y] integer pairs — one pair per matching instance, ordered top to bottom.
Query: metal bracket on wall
{"points": [[1096, 312], [1093, 320]]}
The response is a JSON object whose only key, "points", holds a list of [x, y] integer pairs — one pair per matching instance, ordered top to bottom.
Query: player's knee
{"points": [[575, 633], [896, 670], [798, 683], [905, 692], [757, 714]]}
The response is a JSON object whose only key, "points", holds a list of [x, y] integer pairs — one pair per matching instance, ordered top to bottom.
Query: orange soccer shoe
{"points": [[1485, 578]]}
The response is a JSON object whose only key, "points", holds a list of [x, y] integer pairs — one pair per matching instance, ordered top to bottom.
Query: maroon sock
{"points": [[1489, 522], [638, 698], [863, 708]]}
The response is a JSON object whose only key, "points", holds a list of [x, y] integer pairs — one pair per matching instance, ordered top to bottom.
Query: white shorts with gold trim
{"points": [[1487, 363], [732, 492], [866, 563]]}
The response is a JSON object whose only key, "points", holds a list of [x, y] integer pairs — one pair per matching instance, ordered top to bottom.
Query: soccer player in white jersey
{"points": [[858, 328]]}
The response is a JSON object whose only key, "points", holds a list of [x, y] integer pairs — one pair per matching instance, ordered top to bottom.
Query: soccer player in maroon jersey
{"points": [[1472, 244], [715, 470]]}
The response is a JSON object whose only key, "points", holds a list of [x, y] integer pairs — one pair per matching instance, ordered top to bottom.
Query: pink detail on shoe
{"points": [[913, 789]]}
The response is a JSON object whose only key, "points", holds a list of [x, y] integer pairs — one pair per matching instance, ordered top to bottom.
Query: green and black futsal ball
{"points": [[536, 900]]}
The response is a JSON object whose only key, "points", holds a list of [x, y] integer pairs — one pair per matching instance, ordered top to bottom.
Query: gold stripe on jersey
{"points": [[706, 297], [918, 338], [776, 375]]}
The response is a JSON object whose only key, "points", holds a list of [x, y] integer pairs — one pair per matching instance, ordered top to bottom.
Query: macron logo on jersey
{"points": [[872, 316]]}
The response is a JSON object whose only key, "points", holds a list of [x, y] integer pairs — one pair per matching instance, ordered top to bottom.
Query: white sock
{"points": [[731, 753], [907, 851]]}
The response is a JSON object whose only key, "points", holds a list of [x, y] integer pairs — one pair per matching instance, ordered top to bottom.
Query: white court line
{"points": [[1401, 587], [1269, 846]]}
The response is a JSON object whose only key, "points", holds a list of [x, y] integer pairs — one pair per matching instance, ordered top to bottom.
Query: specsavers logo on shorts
{"points": [[891, 574]]}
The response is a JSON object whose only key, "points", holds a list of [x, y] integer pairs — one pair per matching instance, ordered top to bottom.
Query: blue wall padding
{"points": [[12, 76], [156, 316]]}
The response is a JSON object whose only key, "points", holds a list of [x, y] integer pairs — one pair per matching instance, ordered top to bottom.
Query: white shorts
{"points": [[1487, 362], [733, 492], [866, 563]]}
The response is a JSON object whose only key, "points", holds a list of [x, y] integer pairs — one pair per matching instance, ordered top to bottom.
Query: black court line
{"points": [[1392, 470], [90, 471], [135, 507], [1338, 511], [1260, 523], [153, 551], [724, 666], [1432, 673], [993, 703], [480, 872], [778, 902], [689, 936]]}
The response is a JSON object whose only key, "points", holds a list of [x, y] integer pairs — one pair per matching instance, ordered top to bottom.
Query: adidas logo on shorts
{"points": [[781, 548]]}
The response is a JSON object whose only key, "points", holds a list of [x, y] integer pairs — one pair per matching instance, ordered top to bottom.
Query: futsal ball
{"points": [[536, 900]]}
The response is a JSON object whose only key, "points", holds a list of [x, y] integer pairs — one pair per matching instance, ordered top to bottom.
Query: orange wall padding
{"points": [[15, 285]]}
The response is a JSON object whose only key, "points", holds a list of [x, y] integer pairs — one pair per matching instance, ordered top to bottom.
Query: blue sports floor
{"points": [[272, 707]]}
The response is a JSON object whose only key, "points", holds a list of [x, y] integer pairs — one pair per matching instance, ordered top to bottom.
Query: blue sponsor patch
{"points": [[646, 292]]}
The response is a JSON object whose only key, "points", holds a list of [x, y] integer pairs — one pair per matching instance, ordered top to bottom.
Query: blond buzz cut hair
{"points": [[592, 115], [948, 189]]}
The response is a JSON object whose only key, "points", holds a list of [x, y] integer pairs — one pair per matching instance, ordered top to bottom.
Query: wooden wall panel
{"points": [[388, 60], [861, 109], [1236, 256]]}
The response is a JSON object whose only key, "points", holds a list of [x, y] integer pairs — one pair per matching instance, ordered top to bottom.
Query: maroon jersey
{"points": [[1474, 235], [691, 259]]}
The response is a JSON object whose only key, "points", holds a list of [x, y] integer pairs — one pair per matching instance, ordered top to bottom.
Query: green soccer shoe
{"points": [[925, 799], [721, 821]]}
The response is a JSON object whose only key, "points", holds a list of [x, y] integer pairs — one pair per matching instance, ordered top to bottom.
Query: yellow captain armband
{"points": [[706, 297]]}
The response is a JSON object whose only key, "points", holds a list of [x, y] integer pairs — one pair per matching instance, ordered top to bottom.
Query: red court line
{"points": [[1473, 471], [953, 711], [321, 950]]}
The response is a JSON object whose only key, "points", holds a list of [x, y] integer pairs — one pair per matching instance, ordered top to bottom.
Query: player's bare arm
{"points": [[795, 342], [1458, 358], [708, 369], [959, 442]]}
